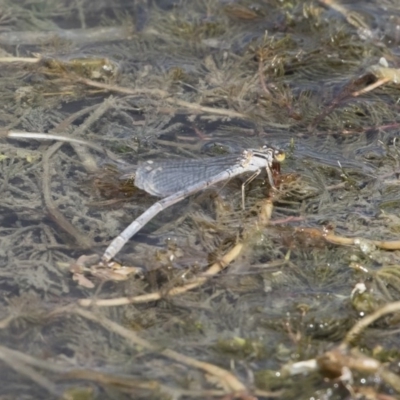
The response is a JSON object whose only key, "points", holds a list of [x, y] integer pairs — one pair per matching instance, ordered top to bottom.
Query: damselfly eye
{"points": [[279, 155]]}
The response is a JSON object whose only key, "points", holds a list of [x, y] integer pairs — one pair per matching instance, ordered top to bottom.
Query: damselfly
{"points": [[176, 180]]}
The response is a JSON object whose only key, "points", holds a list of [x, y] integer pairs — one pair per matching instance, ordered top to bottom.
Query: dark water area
{"points": [[293, 294]]}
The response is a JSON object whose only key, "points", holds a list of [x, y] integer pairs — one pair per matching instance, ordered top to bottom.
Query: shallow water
{"points": [[179, 79]]}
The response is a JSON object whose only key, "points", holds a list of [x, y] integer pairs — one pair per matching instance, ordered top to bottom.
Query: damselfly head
{"points": [[279, 155]]}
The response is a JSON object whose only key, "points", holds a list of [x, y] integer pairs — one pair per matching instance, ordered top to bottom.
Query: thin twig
{"points": [[262, 76], [373, 86], [87, 160]]}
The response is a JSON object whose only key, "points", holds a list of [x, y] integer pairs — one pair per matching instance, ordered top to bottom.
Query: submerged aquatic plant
{"points": [[211, 300]]}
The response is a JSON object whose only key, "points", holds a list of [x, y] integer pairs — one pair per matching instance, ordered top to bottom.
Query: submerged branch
{"points": [[81, 36], [164, 95], [80, 238], [342, 240], [363, 323], [225, 377]]}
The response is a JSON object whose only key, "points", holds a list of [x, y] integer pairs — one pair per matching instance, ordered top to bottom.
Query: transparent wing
{"points": [[168, 177]]}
